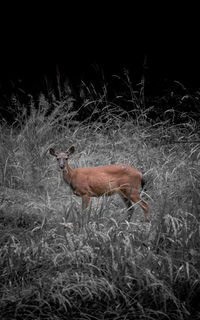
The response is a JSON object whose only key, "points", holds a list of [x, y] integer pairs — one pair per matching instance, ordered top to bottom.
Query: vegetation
{"points": [[59, 263]]}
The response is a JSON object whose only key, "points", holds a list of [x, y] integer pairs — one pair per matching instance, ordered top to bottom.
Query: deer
{"points": [[106, 180]]}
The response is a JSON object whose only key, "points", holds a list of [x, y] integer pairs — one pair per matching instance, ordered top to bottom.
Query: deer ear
{"points": [[70, 150], [52, 152]]}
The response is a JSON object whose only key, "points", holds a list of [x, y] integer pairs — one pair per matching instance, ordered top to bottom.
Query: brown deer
{"points": [[103, 180]]}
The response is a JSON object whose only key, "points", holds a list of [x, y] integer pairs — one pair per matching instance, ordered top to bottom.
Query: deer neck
{"points": [[67, 173]]}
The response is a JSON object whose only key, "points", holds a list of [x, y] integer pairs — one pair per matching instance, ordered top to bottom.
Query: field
{"points": [[57, 262]]}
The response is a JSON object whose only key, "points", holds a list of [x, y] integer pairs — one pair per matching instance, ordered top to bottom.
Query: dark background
{"points": [[84, 40]]}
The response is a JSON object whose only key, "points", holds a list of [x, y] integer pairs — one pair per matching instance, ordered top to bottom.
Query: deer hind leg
{"points": [[132, 195], [85, 201], [128, 204], [143, 204]]}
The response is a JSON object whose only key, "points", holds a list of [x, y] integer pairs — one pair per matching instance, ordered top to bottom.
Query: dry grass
{"points": [[56, 262]]}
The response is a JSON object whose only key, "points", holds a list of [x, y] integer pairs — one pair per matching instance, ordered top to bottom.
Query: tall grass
{"points": [[59, 263]]}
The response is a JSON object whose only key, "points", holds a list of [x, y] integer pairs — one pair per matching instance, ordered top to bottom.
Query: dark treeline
{"points": [[164, 78]]}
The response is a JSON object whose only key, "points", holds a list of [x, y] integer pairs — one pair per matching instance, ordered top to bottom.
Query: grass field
{"points": [[59, 263]]}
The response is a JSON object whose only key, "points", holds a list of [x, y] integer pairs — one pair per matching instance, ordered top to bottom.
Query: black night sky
{"points": [[34, 40]]}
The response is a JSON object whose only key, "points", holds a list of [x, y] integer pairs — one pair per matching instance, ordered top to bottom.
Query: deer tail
{"points": [[142, 182]]}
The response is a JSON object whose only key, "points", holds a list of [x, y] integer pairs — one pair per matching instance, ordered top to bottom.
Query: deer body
{"points": [[97, 181]]}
